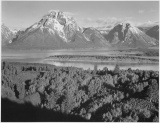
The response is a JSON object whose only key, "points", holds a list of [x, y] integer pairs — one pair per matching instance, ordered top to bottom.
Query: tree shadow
{"points": [[14, 112]]}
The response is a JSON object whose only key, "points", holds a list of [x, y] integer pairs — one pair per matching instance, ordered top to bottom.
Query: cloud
{"points": [[153, 10], [141, 11], [67, 13], [70, 13], [101, 22], [148, 23]]}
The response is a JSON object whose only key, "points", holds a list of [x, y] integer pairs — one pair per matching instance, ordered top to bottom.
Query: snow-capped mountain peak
{"points": [[57, 21], [127, 34]]}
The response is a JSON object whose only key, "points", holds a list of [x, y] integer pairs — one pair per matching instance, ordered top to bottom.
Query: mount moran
{"points": [[56, 30]]}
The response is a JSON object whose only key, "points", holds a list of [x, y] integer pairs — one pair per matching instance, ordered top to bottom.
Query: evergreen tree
{"points": [[116, 69]]}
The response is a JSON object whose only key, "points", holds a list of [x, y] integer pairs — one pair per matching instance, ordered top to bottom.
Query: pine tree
{"points": [[116, 69]]}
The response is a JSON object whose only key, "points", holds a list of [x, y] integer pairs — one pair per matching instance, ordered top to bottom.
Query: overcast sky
{"points": [[93, 13]]}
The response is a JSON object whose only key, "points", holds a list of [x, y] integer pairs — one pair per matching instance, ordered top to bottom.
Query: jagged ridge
{"points": [[125, 34]]}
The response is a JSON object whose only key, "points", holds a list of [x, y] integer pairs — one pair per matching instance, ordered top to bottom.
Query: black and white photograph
{"points": [[79, 61]]}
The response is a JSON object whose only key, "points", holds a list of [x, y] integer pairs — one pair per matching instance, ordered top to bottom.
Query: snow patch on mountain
{"points": [[134, 30]]}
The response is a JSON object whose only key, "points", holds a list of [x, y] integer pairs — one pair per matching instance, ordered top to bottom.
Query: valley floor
{"points": [[141, 58]]}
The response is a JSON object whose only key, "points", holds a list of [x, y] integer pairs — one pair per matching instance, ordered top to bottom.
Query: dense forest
{"points": [[92, 95]]}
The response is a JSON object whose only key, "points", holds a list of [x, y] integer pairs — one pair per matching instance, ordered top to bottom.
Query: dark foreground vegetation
{"points": [[39, 92]]}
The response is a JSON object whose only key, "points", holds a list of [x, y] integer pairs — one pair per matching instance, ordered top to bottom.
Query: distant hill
{"points": [[144, 29], [57, 30], [153, 32]]}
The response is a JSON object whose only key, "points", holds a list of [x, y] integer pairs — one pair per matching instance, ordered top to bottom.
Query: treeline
{"points": [[125, 59], [95, 95]]}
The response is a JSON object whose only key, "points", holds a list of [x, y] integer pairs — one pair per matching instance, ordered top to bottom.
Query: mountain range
{"points": [[56, 30], [125, 34]]}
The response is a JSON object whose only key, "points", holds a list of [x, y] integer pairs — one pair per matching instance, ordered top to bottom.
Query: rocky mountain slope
{"points": [[57, 30], [154, 32], [125, 34], [7, 35]]}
